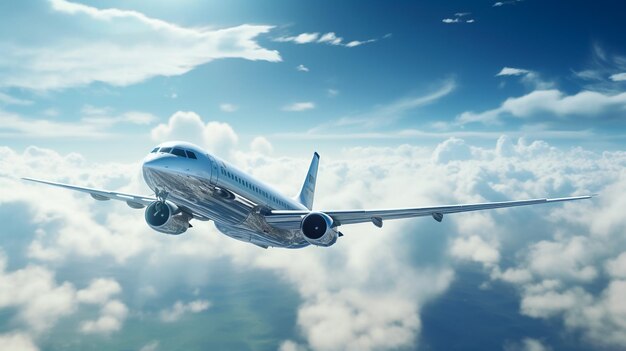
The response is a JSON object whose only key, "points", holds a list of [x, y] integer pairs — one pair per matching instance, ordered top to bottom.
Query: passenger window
{"points": [[166, 149], [154, 150], [179, 152], [191, 155]]}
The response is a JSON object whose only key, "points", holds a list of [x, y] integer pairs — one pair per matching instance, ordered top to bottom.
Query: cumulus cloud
{"points": [[94, 53], [302, 68], [554, 102], [299, 106], [217, 137], [261, 145], [368, 290], [99, 291], [179, 308], [112, 315], [17, 342]]}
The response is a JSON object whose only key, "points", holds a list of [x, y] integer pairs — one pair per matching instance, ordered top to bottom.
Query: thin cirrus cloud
{"points": [[327, 38], [95, 54], [299, 106], [227, 107], [95, 123]]}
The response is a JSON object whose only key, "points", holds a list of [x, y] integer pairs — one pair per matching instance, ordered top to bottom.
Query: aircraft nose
{"points": [[157, 163]]}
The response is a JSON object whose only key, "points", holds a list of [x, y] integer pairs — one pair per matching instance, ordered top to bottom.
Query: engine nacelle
{"points": [[166, 217], [317, 228]]}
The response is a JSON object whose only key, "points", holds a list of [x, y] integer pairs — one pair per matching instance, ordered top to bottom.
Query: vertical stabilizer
{"points": [[307, 192]]}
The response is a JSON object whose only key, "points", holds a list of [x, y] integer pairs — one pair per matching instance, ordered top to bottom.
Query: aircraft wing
{"points": [[134, 201], [287, 219]]}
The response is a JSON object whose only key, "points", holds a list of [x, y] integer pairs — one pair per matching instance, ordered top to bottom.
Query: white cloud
{"points": [[458, 18], [302, 38], [326, 38], [330, 38], [94, 53], [302, 68], [510, 71], [618, 77], [332, 92], [10, 100], [555, 102], [299, 106], [226, 107], [388, 113], [94, 124], [217, 137], [261, 145], [453, 149], [475, 249], [368, 290], [34, 291], [99, 291], [179, 308], [112, 316], [17, 342], [527, 344], [151, 346]]}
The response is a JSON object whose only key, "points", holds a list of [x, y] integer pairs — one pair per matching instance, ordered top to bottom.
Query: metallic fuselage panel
{"points": [[195, 188]]}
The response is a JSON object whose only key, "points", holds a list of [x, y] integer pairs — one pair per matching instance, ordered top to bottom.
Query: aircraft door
{"points": [[214, 170]]}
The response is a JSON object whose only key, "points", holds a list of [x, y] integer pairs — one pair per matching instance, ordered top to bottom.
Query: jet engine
{"points": [[166, 217], [317, 228]]}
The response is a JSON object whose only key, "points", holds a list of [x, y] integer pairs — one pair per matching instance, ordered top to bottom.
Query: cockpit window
{"points": [[166, 149], [154, 150], [179, 152], [191, 154]]}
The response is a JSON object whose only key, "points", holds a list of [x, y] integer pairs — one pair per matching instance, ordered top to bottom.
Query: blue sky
{"points": [[412, 54], [409, 104]]}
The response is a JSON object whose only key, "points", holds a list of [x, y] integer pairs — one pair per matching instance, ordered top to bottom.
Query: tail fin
{"points": [[307, 192]]}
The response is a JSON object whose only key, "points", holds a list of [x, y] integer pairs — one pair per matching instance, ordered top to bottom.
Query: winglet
{"points": [[307, 192]]}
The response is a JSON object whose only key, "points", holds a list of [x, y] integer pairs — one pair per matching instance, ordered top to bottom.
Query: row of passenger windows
{"points": [[175, 151], [253, 188]]}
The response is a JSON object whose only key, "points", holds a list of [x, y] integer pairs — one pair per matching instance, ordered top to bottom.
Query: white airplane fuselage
{"points": [[216, 190]]}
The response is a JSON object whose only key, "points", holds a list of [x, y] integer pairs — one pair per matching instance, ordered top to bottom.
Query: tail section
{"points": [[307, 192]]}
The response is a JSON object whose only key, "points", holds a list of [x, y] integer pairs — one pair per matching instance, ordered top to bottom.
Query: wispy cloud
{"points": [[503, 3], [459, 17], [327, 38], [96, 53], [302, 68], [509, 71], [618, 77], [530, 78], [10, 100], [299, 106], [226, 107], [387, 114], [95, 123], [180, 308]]}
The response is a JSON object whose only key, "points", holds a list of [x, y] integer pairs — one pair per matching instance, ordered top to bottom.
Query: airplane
{"points": [[190, 183]]}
